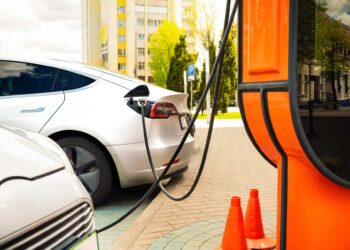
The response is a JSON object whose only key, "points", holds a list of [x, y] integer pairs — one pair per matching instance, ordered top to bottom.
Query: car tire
{"points": [[91, 165]]}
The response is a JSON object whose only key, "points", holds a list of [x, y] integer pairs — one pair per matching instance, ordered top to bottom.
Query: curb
{"points": [[127, 238]]}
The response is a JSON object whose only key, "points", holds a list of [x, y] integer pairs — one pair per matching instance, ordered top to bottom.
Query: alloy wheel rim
{"points": [[85, 166]]}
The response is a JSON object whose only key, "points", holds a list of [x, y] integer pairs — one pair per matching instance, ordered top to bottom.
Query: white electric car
{"points": [[85, 111], [43, 205]]}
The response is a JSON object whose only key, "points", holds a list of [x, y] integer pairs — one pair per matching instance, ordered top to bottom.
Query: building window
{"points": [[140, 8], [121, 9], [152, 9], [157, 9], [187, 9], [186, 21], [140, 22], [121, 23], [154, 23], [141, 37], [121, 38], [140, 51], [121, 52], [140, 65], [121, 66]]}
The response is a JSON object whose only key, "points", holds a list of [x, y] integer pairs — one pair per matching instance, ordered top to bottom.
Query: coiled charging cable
{"points": [[217, 64], [210, 130]]}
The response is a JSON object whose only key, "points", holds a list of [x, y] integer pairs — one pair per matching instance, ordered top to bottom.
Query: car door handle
{"points": [[37, 110]]}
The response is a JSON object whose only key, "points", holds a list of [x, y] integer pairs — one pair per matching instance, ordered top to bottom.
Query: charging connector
{"points": [[142, 102]]}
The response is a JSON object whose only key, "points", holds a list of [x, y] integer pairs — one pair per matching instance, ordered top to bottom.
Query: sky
{"points": [[343, 13], [220, 15], [44, 28], [49, 28], [52, 28]]}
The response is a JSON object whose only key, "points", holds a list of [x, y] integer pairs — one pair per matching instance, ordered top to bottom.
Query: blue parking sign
{"points": [[190, 72]]}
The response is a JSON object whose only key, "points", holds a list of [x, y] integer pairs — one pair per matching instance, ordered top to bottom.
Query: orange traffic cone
{"points": [[253, 224], [234, 238]]}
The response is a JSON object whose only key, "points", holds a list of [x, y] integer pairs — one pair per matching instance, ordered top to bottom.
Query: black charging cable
{"points": [[143, 102], [201, 102]]}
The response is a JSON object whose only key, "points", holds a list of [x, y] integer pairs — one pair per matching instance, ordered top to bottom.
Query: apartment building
{"points": [[116, 32], [325, 78]]}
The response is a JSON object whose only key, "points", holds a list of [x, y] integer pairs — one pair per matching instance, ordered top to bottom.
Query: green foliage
{"points": [[322, 5], [306, 30], [330, 37], [320, 40], [162, 44], [212, 57], [178, 64], [234, 65], [202, 82], [228, 84], [229, 115]]}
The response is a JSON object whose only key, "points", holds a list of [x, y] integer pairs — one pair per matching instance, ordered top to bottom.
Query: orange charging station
{"points": [[293, 101]]}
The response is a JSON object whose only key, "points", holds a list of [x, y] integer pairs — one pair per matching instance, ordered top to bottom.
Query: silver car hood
{"points": [[26, 155]]}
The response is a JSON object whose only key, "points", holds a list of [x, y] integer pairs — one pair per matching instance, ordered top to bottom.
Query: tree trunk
{"points": [[334, 91]]}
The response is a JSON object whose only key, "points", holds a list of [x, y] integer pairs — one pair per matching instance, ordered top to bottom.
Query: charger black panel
{"points": [[323, 70]]}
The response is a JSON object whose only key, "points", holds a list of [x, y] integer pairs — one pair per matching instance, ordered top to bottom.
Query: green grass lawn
{"points": [[228, 115]]}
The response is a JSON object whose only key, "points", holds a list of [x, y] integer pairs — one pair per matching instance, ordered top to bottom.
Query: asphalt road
{"points": [[119, 202]]}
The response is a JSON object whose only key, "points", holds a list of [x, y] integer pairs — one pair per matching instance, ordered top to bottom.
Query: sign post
{"points": [[190, 74]]}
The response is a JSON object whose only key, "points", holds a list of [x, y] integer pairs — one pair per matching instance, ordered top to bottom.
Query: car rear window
{"points": [[68, 80]]}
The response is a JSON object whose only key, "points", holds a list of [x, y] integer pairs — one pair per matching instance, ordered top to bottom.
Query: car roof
{"points": [[61, 64], [83, 69]]}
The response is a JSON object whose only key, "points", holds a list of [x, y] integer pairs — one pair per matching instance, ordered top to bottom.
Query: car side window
{"points": [[17, 78], [67, 81]]}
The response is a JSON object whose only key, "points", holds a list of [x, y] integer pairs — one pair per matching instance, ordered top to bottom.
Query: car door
{"points": [[27, 96]]}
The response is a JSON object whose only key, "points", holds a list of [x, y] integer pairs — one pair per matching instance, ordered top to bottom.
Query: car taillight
{"points": [[163, 110]]}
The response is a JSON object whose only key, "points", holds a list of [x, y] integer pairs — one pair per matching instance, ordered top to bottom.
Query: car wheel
{"points": [[91, 165]]}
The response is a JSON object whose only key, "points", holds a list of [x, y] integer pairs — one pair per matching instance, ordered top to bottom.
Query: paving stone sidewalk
{"points": [[233, 168]]}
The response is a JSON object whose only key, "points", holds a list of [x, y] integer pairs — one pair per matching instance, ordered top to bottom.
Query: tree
{"points": [[206, 24], [206, 31], [331, 36], [320, 42], [162, 44], [212, 57], [178, 64], [234, 79], [228, 82], [201, 83]]}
